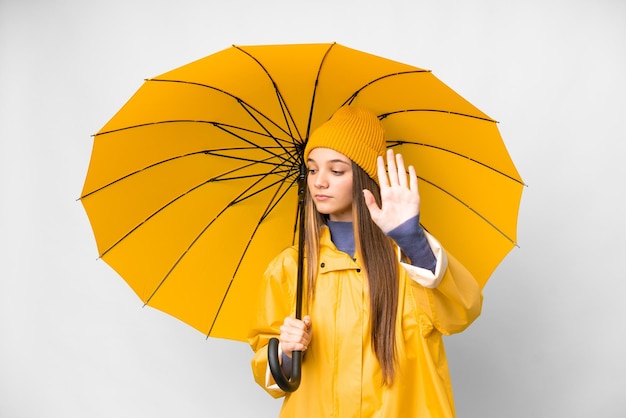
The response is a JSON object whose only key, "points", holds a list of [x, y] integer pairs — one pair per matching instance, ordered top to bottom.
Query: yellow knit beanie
{"points": [[356, 133]]}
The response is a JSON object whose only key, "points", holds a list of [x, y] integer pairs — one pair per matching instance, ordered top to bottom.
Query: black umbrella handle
{"points": [[292, 383], [286, 384]]}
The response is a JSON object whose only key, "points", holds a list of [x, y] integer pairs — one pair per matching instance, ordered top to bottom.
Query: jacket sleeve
{"points": [[451, 297], [275, 302]]}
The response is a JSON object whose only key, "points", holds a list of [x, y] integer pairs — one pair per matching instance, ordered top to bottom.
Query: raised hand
{"points": [[399, 196]]}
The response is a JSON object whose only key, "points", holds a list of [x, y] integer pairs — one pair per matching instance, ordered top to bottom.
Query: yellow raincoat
{"points": [[341, 376]]}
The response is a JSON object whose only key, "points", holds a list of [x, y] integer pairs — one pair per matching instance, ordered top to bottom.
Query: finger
{"points": [[392, 171], [401, 171], [413, 180], [383, 181], [294, 323], [307, 323], [293, 336], [289, 348]]}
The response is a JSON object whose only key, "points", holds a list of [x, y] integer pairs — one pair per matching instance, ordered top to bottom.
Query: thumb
{"points": [[371, 204]]}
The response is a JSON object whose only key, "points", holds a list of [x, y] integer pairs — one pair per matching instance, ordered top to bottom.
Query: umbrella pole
{"points": [[291, 384]]}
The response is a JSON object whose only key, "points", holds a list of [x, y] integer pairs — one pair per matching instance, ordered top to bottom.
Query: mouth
{"points": [[321, 197]]}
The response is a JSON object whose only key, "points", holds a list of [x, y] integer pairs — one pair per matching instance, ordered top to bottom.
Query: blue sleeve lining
{"points": [[411, 239]]}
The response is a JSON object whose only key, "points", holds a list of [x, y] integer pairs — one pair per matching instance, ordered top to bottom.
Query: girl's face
{"points": [[330, 183]]}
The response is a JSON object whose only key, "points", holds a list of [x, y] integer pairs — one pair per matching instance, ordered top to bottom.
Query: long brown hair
{"points": [[378, 257]]}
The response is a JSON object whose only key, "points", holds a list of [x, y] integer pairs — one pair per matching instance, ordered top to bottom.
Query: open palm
{"points": [[400, 199]]}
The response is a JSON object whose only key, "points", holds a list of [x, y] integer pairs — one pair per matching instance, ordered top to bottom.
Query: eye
{"points": [[312, 171], [338, 172]]}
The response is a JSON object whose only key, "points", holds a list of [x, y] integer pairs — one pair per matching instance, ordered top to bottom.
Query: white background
{"points": [[74, 340]]}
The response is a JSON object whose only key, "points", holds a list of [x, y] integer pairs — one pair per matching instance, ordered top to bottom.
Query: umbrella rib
{"points": [[417, 71], [314, 95], [350, 99], [245, 105], [287, 115], [385, 115], [208, 122], [278, 142], [395, 143], [206, 152], [211, 152], [287, 169], [126, 176], [220, 177], [244, 196], [271, 205], [474, 211], [195, 240]]}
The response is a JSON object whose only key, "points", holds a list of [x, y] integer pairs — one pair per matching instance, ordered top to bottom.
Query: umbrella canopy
{"points": [[192, 186]]}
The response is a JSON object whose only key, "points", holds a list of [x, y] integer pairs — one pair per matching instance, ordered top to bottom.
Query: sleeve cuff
{"points": [[424, 276], [270, 383]]}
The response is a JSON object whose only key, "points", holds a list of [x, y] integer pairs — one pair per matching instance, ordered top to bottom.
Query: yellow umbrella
{"points": [[192, 186]]}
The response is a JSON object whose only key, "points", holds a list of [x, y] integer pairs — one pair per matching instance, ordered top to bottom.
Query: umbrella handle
{"points": [[288, 385]]}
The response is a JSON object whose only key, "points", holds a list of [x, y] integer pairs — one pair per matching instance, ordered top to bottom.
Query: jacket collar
{"points": [[331, 259]]}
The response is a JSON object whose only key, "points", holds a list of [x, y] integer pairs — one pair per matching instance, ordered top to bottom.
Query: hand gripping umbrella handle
{"points": [[291, 384]]}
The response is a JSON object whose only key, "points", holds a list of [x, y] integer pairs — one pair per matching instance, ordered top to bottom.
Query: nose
{"points": [[320, 181]]}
